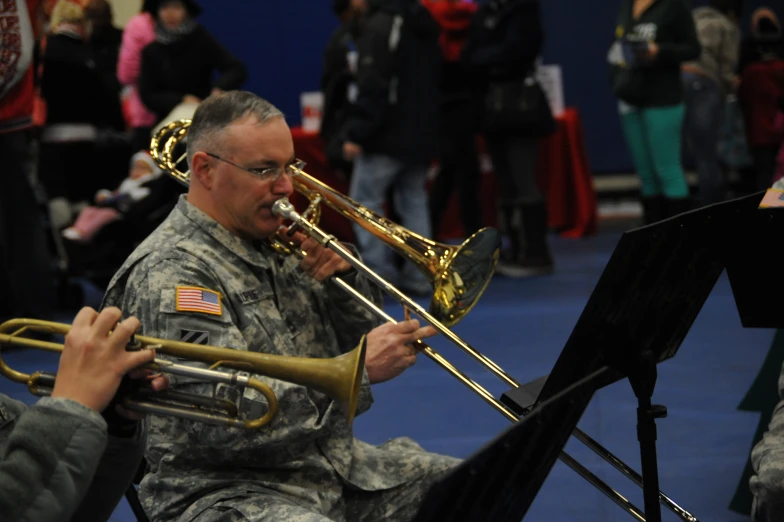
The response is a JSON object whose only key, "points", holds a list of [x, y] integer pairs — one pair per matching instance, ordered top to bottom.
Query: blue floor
{"points": [[522, 325]]}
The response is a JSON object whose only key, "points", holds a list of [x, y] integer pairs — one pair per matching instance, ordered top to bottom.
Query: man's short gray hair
{"points": [[217, 112]]}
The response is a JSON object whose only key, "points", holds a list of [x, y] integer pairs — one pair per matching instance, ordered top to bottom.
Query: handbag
{"points": [[518, 107]]}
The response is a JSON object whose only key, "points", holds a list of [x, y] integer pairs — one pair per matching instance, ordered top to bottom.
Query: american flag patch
{"points": [[773, 198], [195, 299]]}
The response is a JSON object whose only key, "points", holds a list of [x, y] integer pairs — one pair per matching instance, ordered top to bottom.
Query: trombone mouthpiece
{"points": [[285, 209]]}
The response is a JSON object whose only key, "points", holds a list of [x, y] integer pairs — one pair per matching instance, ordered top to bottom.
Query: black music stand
{"points": [[644, 304], [500, 481]]}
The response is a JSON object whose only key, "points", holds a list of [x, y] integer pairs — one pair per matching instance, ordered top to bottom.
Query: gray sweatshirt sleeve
{"points": [[48, 458], [767, 459], [119, 464]]}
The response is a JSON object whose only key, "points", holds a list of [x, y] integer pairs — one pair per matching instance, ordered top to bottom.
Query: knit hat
{"points": [[151, 6], [765, 24], [144, 156]]}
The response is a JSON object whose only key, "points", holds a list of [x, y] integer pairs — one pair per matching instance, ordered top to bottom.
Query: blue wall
{"points": [[281, 41]]}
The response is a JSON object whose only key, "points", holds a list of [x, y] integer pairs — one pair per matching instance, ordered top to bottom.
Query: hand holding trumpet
{"points": [[94, 361]]}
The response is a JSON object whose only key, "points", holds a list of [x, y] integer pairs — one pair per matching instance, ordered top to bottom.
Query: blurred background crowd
{"points": [[698, 94]]}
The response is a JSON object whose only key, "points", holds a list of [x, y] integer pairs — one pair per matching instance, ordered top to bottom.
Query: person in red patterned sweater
{"points": [[459, 164], [26, 283]]}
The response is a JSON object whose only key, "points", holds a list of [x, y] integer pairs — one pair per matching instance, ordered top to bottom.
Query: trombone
{"points": [[459, 276], [339, 377]]}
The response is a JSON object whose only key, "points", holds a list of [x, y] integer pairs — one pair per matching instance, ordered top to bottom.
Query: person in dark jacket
{"points": [[653, 39], [105, 40], [505, 40], [178, 67], [338, 81], [707, 82], [761, 93], [81, 108], [392, 132], [458, 160], [71, 456]]}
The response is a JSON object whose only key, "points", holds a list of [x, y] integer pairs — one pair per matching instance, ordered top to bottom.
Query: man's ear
{"points": [[201, 170]]}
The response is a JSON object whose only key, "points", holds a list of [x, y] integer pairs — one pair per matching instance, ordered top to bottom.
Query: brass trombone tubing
{"points": [[285, 209]]}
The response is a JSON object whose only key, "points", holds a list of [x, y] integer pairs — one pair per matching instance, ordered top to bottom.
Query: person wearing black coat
{"points": [[503, 45], [178, 66], [338, 81], [392, 131]]}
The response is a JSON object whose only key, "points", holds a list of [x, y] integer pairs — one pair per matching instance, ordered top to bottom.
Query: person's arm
{"points": [[137, 35], [522, 41], [687, 47], [730, 55], [335, 62], [233, 71], [374, 75], [153, 93], [150, 294], [389, 346], [54, 448], [49, 460], [767, 460]]}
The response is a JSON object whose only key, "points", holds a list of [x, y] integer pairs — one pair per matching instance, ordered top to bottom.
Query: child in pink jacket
{"points": [[139, 32], [109, 205]]}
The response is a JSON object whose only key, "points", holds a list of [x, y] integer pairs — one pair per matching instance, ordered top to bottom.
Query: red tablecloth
{"points": [[562, 170]]}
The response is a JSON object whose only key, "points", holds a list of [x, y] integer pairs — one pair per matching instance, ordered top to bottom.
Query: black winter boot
{"points": [[673, 207], [652, 209], [511, 228], [533, 257]]}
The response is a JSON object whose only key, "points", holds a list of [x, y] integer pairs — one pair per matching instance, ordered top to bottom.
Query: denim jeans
{"points": [[704, 116], [373, 175]]}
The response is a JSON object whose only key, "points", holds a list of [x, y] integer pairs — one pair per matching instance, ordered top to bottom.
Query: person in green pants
{"points": [[653, 38]]}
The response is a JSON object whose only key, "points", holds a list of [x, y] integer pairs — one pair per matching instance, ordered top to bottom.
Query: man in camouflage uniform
{"points": [[206, 276], [767, 459]]}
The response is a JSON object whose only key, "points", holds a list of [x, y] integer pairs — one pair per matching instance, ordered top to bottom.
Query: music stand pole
{"points": [[642, 376]]}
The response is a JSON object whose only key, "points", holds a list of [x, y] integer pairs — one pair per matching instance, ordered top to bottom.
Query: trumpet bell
{"points": [[340, 377]]}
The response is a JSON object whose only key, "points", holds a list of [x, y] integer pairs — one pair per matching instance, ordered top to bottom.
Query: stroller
{"points": [[100, 258]]}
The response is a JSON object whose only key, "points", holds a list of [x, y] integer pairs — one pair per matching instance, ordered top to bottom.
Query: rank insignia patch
{"points": [[194, 336]]}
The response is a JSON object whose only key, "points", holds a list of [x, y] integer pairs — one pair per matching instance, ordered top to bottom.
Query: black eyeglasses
{"points": [[266, 173]]}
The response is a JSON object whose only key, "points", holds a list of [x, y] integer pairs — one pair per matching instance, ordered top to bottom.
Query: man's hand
{"points": [[650, 53], [190, 98], [351, 151], [319, 262], [389, 350], [93, 362], [157, 381]]}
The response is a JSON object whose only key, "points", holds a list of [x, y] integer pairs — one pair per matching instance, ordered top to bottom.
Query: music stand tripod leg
{"points": [[642, 376]]}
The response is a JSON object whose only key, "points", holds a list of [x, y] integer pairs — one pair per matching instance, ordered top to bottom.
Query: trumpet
{"points": [[459, 277], [339, 377]]}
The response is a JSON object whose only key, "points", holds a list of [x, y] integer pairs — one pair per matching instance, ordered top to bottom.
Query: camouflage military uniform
{"points": [[767, 459], [306, 465]]}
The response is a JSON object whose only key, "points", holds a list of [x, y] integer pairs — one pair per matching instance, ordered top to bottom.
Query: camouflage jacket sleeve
{"points": [[150, 295], [346, 309], [351, 318], [767, 458]]}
